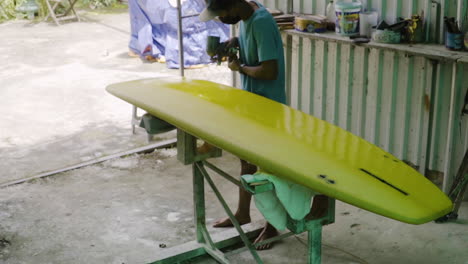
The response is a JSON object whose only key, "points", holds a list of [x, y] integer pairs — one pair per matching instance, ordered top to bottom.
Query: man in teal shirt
{"points": [[261, 61], [262, 70]]}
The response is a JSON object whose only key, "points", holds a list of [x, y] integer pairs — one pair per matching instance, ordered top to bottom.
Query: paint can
{"points": [[347, 18], [454, 41]]}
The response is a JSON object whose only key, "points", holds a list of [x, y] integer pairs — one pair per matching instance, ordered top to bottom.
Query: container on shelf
{"points": [[347, 18], [310, 23], [454, 41]]}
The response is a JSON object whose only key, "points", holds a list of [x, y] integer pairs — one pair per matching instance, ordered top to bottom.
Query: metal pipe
{"points": [[180, 36], [93, 162], [222, 173], [234, 221]]}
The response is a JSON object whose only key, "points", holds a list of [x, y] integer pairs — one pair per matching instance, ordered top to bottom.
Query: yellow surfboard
{"points": [[291, 144]]}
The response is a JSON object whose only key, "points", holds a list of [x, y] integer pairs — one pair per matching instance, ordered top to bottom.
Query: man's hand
{"points": [[233, 43], [234, 64]]}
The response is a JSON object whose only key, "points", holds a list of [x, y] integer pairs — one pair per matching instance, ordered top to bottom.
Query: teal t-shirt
{"points": [[260, 40]]}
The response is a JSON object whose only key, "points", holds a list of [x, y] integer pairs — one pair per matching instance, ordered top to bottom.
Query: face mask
{"points": [[230, 19]]}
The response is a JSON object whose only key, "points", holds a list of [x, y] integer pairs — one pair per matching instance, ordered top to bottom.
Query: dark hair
{"points": [[218, 5]]}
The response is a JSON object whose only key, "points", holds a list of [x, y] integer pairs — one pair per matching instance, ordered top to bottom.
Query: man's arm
{"points": [[267, 70]]}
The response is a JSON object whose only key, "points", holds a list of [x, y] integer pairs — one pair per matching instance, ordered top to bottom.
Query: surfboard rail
{"points": [[290, 144]]}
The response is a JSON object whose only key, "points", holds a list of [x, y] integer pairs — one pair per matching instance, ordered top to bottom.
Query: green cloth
{"points": [[259, 41], [285, 199]]}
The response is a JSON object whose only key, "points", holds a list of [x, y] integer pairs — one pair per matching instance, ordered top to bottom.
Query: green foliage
{"points": [[94, 4], [8, 7]]}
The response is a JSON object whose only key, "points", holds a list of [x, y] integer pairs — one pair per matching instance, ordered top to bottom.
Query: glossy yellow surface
{"points": [[292, 145]]}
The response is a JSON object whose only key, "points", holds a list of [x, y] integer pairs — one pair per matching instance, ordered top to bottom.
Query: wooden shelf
{"points": [[432, 51]]}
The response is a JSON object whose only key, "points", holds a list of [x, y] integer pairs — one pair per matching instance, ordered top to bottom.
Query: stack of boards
{"points": [[283, 21]]}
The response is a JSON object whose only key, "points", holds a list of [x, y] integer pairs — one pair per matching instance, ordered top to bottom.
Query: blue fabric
{"points": [[147, 26], [154, 31], [260, 40]]}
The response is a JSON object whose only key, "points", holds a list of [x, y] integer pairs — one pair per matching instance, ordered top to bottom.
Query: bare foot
{"points": [[133, 54], [150, 58], [162, 59], [319, 207], [226, 222], [268, 232]]}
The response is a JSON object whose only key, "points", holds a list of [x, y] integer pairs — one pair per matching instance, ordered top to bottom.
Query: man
{"points": [[262, 70]]}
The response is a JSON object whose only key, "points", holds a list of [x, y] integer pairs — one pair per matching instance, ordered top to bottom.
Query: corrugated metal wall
{"points": [[382, 96], [408, 105], [449, 128]]}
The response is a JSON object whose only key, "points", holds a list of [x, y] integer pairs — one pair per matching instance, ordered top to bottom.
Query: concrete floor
{"points": [[56, 113]]}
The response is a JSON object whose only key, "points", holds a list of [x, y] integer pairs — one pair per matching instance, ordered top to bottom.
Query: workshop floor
{"points": [[56, 113]]}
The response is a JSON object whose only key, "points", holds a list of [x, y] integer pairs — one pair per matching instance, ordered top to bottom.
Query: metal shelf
{"points": [[431, 51]]}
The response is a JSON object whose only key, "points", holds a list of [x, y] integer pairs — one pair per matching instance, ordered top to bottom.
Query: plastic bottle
{"points": [[331, 15]]}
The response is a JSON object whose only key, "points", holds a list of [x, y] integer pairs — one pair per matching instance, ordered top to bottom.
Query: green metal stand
{"points": [[312, 226], [206, 244]]}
